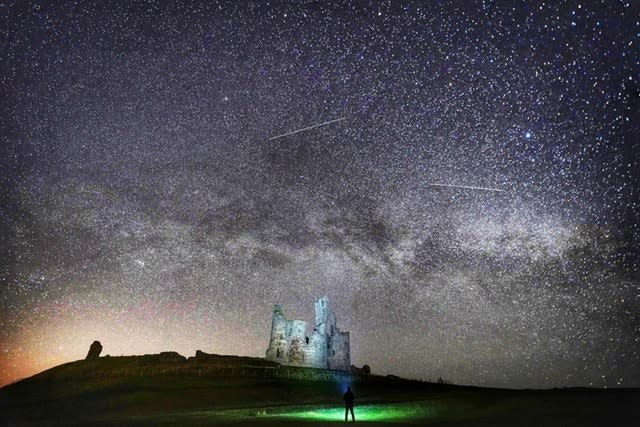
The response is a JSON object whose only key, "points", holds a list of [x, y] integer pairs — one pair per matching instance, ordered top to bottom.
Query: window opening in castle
{"points": [[306, 339]]}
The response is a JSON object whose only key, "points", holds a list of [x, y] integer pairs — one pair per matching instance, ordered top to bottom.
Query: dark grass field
{"points": [[74, 394]]}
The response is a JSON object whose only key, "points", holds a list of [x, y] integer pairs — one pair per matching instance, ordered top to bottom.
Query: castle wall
{"points": [[322, 308], [297, 330], [279, 343], [325, 348], [316, 351], [339, 354]]}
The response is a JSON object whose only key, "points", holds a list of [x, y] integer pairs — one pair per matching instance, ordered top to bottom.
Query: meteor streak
{"points": [[307, 128], [468, 187]]}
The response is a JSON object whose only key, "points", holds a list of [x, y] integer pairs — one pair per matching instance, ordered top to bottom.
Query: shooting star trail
{"points": [[307, 128], [468, 187]]}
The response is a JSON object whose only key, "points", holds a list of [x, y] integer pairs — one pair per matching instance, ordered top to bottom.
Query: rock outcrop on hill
{"points": [[94, 351], [169, 357], [365, 370]]}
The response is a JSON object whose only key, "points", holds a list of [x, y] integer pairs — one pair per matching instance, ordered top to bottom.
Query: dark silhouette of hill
{"points": [[169, 389]]}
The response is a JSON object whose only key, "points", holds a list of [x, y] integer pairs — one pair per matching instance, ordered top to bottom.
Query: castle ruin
{"points": [[326, 347]]}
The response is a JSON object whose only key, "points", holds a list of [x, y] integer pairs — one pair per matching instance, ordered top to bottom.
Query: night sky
{"points": [[144, 203]]}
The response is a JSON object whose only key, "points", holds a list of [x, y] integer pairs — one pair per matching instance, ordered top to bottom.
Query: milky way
{"points": [[145, 205]]}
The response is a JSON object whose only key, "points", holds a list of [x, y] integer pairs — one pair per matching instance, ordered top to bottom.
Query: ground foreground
{"points": [[153, 393], [450, 410]]}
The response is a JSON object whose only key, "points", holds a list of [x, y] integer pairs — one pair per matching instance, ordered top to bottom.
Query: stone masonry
{"points": [[293, 344], [324, 347]]}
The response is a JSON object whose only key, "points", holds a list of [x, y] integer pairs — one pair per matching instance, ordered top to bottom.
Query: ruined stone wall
{"points": [[321, 308], [297, 336], [279, 343], [292, 343], [316, 350], [339, 353], [171, 364]]}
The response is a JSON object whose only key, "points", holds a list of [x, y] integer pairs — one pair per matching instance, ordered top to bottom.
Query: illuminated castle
{"points": [[326, 347]]}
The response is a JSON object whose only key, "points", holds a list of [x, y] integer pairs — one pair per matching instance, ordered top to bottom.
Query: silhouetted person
{"points": [[348, 405]]}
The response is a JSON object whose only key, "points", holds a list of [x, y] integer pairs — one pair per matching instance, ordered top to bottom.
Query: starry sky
{"points": [[146, 204]]}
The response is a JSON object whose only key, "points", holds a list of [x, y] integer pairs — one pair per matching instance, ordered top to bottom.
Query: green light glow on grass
{"points": [[378, 413]]}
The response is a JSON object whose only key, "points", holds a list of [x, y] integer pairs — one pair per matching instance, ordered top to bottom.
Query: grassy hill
{"points": [[168, 389]]}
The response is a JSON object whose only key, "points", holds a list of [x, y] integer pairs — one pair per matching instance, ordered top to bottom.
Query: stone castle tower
{"points": [[292, 344]]}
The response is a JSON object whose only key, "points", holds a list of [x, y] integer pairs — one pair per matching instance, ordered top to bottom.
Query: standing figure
{"points": [[348, 405]]}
